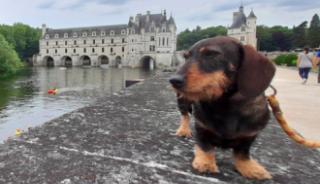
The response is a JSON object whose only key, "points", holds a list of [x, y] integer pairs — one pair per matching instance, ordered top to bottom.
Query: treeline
{"points": [[269, 38], [18, 43]]}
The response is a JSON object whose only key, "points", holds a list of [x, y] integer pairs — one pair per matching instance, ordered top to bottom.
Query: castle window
{"points": [[152, 29], [163, 29], [243, 29], [132, 31], [123, 32], [94, 33], [103, 33], [111, 33], [84, 34], [65, 35], [75, 35], [47, 36], [56, 36], [152, 38], [242, 38], [112, 40], [123, 40], [132, 40], [163, 40], [84, 41], [93, 41], [102, 41], [159, 41], [167, 41], [56, 42], [65, 42], [75, 42], [47, 43], [152, 48], [102, 49], [111, 49], [122, 49], [65, 50], [84, 50], [93, 50], [47, 51], [55, 51], [74, 51]]}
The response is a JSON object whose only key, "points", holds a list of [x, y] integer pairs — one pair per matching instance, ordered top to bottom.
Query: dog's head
{"points": [[214, 66]]}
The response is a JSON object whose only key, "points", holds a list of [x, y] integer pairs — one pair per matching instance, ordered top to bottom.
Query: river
{"points": [[25, 102]]}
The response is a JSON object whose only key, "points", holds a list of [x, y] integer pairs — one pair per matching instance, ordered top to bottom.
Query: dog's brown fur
{"points": [[223, 82]]}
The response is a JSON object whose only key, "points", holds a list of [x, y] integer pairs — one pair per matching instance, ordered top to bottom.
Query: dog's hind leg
{"points": [[185, 108], [246, 166]]}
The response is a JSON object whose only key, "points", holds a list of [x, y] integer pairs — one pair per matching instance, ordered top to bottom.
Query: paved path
{"points": [[300, 103], [129, 138]]}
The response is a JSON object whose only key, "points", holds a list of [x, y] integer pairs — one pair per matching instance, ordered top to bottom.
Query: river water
{"points": [[25, 102]]}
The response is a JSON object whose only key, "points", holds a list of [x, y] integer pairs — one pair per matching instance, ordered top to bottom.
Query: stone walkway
{"points": [[300, 103], [129, 138]]}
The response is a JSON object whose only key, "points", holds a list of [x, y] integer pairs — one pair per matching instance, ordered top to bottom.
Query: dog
{"points": [[223, 83]]}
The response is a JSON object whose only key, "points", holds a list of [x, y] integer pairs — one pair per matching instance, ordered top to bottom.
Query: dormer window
{"points": [[163, 29], [123, 32], [94, 33], [103, 33], [111, 33], [84, 34], [65, 35], [75, 35], [47, 36], [56, 36]]}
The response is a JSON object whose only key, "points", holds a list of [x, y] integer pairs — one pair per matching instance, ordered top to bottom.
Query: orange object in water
{"points": [[52, 91]]}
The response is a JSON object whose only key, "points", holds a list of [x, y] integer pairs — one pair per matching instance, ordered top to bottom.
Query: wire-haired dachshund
{"points": [[223, 83]]}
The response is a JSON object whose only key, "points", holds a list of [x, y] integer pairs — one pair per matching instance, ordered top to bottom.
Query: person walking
{"points": [[304, 63], [317, 63]]}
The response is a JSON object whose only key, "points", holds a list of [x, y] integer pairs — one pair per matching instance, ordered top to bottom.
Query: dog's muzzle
{"points": [[177, 81]]}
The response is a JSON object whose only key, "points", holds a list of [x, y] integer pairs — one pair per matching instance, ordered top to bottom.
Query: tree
{"points": [[314, 32], [300, 35], [23, 38], [9, 60]]}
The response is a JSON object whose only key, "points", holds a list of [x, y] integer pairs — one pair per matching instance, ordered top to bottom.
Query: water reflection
{"points": [[24, 101]]}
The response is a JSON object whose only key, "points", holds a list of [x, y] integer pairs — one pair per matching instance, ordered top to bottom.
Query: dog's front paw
{"points": [[184, 131], [204, 162], [252, 169]]}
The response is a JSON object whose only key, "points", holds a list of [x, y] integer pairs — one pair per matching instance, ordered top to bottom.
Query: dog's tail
{"points": [[284, 125]]}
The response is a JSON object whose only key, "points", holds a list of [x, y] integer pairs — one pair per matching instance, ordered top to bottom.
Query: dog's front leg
{"points": [[185, 107], [204, 161], [246, 166]]}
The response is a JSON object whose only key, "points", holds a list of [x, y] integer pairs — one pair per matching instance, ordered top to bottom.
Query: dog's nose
{"points": [[177, 81]]}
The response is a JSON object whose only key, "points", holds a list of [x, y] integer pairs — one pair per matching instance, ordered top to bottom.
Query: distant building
{"points": [[244, 28], [146, 41]]}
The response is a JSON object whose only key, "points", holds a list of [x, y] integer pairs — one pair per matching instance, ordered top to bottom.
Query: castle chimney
{"points": [[44, 29]]}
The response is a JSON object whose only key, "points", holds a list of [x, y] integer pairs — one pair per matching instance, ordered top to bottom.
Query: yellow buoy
{"points": [[18, 132]]}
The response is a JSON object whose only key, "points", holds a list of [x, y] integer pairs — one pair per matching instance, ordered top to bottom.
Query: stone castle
{"points": [[244, 28], [147, 40]]}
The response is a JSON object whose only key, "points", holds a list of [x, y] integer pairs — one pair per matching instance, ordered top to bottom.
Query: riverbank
{"points": [[128, 137]]}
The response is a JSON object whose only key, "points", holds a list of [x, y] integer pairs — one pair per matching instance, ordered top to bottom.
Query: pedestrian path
{"points": [[300, 103]]}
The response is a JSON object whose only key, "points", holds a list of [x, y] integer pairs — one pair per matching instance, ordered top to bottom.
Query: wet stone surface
{"points": [[129, 137]]}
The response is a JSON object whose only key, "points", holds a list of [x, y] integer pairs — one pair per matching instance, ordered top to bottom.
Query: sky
{"points": [[187, 13]]}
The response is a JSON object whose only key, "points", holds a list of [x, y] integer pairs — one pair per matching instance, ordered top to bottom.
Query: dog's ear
{"points": [[255, 73]]}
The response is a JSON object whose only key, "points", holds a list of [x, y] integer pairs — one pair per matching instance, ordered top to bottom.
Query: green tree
{"points": [[314, 32], [300, 35], [23, 38], [187, 38], [9, 60]]}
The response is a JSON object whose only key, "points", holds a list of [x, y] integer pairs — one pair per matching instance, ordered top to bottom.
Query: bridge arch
{"points": [[85, 60], [103, 60], [48, 61], [66, 61], [118, 61], [148, 63]]}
